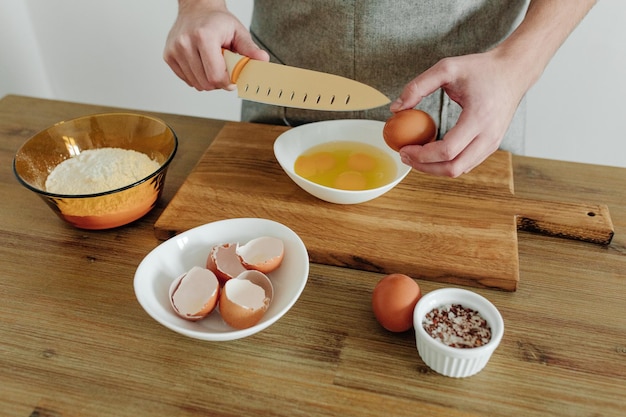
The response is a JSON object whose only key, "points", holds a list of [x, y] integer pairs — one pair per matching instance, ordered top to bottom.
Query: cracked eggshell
{"points": [[263, 254], [224, 262], [194, 294], [245, 299]]}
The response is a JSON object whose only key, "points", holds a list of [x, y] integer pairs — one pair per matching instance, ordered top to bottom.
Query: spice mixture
{"points": [[457, 326]]}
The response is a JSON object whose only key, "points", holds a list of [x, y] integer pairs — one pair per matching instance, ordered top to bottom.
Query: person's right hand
{"points": [[193, 49]]}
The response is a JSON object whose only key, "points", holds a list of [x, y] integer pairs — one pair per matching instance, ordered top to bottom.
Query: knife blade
{"points": [[287, 86]]}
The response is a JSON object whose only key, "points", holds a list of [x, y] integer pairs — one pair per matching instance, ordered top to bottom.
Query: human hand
{"points": [[193, 49], [489, 92]]}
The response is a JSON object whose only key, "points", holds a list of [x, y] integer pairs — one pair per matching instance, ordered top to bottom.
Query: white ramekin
{"points": [[450, 361]]}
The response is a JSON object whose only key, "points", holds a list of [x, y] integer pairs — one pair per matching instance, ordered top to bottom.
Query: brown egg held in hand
{"points": [[409, 127], [393, 301]]}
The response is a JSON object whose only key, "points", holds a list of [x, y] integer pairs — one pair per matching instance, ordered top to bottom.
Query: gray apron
{"points": [[383, 43]]}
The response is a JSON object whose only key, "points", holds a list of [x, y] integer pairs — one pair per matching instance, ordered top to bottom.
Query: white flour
{"points": [[99, 170]]}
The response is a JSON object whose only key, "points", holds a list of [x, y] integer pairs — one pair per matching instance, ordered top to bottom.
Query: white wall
{"points": [[110, 52], [21, 68], [577, 110]]}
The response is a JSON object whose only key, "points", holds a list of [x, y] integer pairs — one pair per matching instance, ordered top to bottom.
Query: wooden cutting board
{"points": [[461, 231]]}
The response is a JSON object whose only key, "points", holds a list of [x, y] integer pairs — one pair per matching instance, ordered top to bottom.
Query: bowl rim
{"points": [[161, 168], [403, 171], [460, 294]]}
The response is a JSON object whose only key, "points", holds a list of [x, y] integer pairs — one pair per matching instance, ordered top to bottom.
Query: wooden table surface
{"points": [[75, 342]]}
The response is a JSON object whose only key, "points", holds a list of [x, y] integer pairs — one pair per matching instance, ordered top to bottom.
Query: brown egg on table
{"points": [[409, 127], [264, 254], [194, 294], [245, 299], [393, 301]]}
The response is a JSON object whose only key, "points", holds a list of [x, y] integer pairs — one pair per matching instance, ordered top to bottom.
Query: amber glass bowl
{"points": [[40, 154]]}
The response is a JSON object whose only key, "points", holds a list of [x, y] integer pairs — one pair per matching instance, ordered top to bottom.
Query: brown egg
{"points": [[409, 127], [263, 254], [194, 294], [245, 299], [393, 301]]}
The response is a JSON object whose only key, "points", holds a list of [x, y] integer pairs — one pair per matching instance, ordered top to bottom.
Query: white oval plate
{"points": [[177, 255]]}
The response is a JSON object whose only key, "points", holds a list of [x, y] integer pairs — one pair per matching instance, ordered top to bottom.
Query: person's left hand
{"points": [[489, 92]]}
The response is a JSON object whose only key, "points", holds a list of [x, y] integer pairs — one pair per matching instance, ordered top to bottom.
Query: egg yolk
{"points": [[360, 161], [315, 164], [346, 165], [351, 180]]}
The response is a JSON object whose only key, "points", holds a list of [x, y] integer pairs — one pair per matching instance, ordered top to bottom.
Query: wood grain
{"points": [[448, 230], [75, 342]]}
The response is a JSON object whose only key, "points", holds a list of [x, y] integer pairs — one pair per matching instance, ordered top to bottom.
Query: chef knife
{"points": [[282, 85]]}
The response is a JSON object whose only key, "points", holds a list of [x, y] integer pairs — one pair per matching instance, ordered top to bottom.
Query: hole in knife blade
{"points": [[247, 88], [258, 88], [269, 90], [280, 93], [293, 94], [305, 97], [319, 97], [347, 99], [332, 100]]}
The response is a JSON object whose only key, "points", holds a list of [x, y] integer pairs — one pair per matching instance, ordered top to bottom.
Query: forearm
{"points": [[546, 26]]}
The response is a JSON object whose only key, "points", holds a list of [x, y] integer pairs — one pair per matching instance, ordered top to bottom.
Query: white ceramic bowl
{"points": [[291, 144], [177, 255], [450, 361]]}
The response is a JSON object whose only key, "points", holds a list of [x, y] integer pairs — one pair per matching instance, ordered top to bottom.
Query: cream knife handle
{"points": [[234, 64]]}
